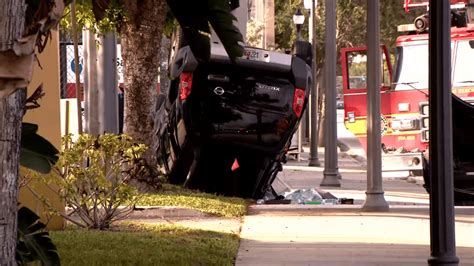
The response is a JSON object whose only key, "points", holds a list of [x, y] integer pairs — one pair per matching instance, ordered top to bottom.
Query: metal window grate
{"points": [[67, 69], [424, 121]]}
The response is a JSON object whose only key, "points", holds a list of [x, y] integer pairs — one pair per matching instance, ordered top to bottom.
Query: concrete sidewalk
{"points": [[343, 234]]}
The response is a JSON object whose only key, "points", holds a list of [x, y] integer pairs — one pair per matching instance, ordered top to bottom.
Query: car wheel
{"points": [[177, 42], [179, 169], [211, 170], [256, 173], [265, 182]]}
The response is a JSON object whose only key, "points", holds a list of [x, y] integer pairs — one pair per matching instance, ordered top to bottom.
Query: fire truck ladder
{"points": [[421, 3], [462, 12]]}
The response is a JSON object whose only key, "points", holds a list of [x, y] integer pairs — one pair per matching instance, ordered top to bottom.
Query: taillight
{"points": [[185, 85], [298, 102]]}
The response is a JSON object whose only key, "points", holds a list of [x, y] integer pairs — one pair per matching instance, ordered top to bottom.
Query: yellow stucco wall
{"points": [[48, 119]]}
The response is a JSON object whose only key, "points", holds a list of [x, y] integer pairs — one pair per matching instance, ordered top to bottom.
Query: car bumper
{"points": [[402, 162]]}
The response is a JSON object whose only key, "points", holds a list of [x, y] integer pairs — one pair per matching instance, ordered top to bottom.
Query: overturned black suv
{"points": [[225, 127], [463, 155]]}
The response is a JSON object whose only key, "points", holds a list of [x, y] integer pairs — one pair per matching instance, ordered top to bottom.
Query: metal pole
{"points": [[298, 32], [85, 62], [76, 67], [107, 81], [90, 83], [308, 111], [299, 132], [314, 139], [300, 143], [331, 172], [374, 196], [442, 235]]}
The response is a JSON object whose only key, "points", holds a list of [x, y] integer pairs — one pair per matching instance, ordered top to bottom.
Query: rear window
{"points": [[463, 71], [261, 85]]}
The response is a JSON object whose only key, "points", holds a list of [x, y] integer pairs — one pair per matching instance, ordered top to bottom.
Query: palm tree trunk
{"points": [[12, 20], [141, 42], [322, 106], [11, 113]]}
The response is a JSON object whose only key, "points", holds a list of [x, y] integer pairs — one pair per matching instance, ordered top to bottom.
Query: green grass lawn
{"points": [[177, 196], [134, 244]]}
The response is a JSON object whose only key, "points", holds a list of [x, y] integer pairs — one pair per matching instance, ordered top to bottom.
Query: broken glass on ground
{"points": [[303, 196]]}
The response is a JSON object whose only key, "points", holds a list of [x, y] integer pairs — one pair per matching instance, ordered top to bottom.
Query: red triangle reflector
{"points": [[235, 165]]}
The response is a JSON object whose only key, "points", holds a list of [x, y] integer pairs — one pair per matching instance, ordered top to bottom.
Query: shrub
{"points": [[92, 178], [33, 241]]}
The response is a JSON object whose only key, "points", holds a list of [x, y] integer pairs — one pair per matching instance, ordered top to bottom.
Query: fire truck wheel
{"points": [[416, 173]]}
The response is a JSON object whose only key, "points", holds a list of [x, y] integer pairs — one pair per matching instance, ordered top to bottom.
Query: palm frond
{"points": [[195, 17], [221, 19]]}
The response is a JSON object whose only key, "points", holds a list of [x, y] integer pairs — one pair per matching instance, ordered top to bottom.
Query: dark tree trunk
{"points": [[12, 19], [141, 42], [11, 113]]}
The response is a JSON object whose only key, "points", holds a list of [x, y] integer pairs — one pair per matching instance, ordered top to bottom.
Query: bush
{"points": [[93, 175], [33, 241]]}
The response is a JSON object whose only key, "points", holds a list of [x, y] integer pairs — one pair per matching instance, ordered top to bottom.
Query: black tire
{"points": [[178, 41], [303, 50], [172, 92], [161, 145], [174, 160], [179, 170], [211, 170], [255, 175], [266, 181], [460, 196]]}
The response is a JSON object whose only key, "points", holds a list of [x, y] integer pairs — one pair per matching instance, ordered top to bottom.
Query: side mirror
{"points": [[234, 4], [471, 43], [303, 50]]}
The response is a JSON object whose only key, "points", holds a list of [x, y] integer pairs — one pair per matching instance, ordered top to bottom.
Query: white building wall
{"points": [[261, 23]]}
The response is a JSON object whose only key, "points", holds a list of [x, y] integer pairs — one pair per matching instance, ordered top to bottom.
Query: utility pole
{"points": [[76, 67], [100, 80], [107, 83], [91, 90], [314, 139], [331, 172], [374, 196], [442, 235]]}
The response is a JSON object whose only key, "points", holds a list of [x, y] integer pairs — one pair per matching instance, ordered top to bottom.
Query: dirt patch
{"points": [[186, 217]]}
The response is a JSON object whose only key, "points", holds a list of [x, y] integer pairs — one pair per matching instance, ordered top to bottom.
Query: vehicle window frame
{"points": [[454, 61], [345, 69]]}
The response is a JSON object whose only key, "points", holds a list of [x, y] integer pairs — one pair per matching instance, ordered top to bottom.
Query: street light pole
{"points": [[298, 19], [107, 83], [91, 90], [314, 139], [331, 172], [374, 196], [442, 233]]}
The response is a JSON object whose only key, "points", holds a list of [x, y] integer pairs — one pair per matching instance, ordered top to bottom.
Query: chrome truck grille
{"points": [[425, 121]]}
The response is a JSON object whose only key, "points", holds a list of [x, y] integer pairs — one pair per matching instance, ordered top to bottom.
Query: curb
{"points": [[159, 212]]}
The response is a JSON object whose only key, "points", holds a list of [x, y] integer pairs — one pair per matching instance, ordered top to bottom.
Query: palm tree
{"points": [[19, 35], [141, 36], [141, 42]]}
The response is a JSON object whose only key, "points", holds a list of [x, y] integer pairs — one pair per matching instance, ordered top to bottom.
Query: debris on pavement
{"points": [[305, 196]]}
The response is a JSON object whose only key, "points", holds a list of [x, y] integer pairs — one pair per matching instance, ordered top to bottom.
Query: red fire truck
{"points": [[404, 90]]}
